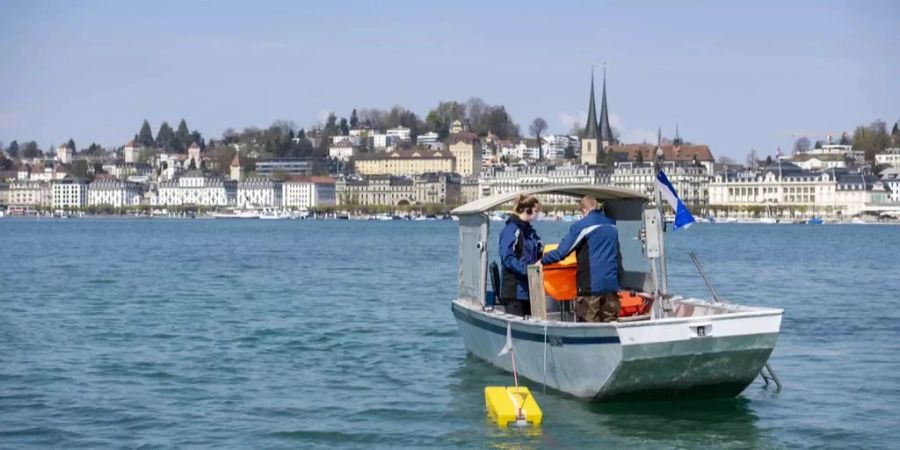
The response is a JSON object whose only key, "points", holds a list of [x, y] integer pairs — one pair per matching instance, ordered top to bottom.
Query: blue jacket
{"points": [[596, 241], [519, 246]]}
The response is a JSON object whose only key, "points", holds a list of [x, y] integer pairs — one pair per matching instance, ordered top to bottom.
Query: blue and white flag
{"points": [[683, 217]]}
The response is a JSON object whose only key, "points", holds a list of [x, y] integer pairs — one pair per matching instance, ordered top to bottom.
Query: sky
{"points": [[733, 75]]}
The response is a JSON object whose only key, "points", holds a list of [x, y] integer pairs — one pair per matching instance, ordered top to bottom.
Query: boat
{"points": [[237, 214], [274, 215], [768, 220], [815, 221], [684, 347]]}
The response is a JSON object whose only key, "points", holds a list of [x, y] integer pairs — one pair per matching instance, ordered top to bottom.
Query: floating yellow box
{"points": [[503, 405]]}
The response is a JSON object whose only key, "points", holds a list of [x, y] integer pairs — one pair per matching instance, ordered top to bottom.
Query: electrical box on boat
{"points": [[652, 228], [508, 405]]}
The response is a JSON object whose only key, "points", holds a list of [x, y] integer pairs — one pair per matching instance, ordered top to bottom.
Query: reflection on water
{"points": [[569, 421]]}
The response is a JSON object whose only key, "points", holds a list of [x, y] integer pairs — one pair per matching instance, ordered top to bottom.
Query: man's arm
{"points": [[565, 247]]}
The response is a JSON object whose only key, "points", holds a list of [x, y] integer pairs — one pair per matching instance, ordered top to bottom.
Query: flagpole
{"points": [[657, 197]]}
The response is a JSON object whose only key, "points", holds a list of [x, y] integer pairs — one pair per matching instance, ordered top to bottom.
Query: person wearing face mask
{"points": [[520, 246]]}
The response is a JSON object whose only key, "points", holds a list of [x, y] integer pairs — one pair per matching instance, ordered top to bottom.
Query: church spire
{"points": [[590, 128], [605, 130]]}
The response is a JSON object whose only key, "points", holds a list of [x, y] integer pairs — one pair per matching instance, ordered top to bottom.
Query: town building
{"points": [[597, 133], [399, 134], [427, 140], [466, 148], [342, 150], [131, 152], [64, 154], [684, 154], [890, 156], [819, 161], [405, 162], [291, 166], [236, 172], [507, 179], [891, 179], [691, 182], [196, 188], [426, 188], [786, 190], [259, 192], [308, 192], [30, 193], [70, 193], [114, 193]]}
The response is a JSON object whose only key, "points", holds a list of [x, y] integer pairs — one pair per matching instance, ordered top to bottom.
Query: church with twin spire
{"points": [[598, 136]]}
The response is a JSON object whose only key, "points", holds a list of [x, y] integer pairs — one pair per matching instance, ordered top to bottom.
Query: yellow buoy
{"points": [[512, 405]]}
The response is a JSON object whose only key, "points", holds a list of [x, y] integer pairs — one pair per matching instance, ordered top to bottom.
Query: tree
{"points": [[441, 118], [354, 119], [331, 127], [345, 127], [537, 127], [301, 134], [145, 136], [165, 137], [182, 137], [872, 139], [819, 144], [71, 145], [801, 145], [13, 150], [31, 150], [752, 159], [769, 160], [5, 163], [192, 165], [81, 169]]}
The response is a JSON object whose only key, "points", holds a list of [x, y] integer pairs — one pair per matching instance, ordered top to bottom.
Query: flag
{"points": [[683, 217], [509, 346]]}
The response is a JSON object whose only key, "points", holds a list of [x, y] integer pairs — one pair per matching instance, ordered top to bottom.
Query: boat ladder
{"points": [[768, 375]]}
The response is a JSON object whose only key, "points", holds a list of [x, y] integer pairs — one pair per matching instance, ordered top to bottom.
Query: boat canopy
{"points": [[599, 192], [624, 206]]}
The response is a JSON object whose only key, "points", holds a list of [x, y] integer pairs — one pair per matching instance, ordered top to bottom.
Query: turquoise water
{"points": [[303, 334]]}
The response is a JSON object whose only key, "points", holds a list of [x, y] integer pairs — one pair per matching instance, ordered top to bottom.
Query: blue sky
{"points": [[734, 75]]}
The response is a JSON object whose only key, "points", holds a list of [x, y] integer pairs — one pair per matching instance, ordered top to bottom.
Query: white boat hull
{"points": [[652, 359]]}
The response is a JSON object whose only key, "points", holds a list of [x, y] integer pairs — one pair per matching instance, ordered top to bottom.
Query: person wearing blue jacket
{"points": [[595, 240], [520, 246]]}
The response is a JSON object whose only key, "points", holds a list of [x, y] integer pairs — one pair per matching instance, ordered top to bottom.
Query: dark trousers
{"points": [[517, 307]]}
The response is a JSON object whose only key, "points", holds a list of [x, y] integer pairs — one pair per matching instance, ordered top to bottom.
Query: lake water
{"points": [[306, 334]]}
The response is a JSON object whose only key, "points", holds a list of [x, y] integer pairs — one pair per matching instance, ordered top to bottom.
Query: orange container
{"points": [[559, 277], [632, 304]]}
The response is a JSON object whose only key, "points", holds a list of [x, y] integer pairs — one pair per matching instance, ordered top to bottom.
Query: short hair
{"points": [[525, 202], [588, 202]]}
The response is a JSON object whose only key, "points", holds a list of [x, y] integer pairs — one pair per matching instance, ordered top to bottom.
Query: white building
{"points": [[400, 134], [354, 139], [427, 139], [380, 141], [555, 145], [343, 150], [131, 151], [64, 154], [890, 156], [823, 161], [507, 179], [891, 179], [690, 182], [195, 188], [791, 191], [69, 193], [114, 193], [259, 193], [308, 193]]}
